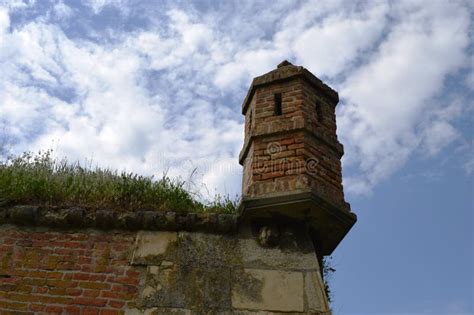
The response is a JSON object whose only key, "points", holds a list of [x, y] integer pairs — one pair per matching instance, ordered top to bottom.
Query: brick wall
{"points": [[295, 151], [47, 270], [82, 272]]}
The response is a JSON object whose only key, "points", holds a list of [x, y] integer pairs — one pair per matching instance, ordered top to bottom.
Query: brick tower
{"points": [[292, 157]]}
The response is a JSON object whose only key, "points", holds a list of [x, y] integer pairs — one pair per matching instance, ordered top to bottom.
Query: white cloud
{"points": [[17, 4], [98, 5], [62, 11], [4, 20], [4, 24], [327, 48], [247, 65], [470, 80], [390, 96], [152, 101], [112, 115], [437, 136], [466, 150], [469, 165]]}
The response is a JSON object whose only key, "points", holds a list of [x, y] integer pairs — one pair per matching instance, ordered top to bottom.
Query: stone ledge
{"points": [[335, 146], [77, 217], [328, 223]]}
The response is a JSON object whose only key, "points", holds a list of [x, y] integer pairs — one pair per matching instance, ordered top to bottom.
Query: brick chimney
{"points": [[292, 157]]}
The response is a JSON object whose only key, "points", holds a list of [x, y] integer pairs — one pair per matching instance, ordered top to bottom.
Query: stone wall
{"points": [[250, 269]]}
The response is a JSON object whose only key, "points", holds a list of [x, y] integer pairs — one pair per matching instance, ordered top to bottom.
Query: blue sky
{"points": [[156, 86]]}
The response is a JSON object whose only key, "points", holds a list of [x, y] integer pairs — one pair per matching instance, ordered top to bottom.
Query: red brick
{"points": [[133, 273], [46, 274], [81, 276], [100, 277], [124, 280], [62, 283], [94, 285], [41, 290], [73, 291], [91, 293], [113, 295], [23, 297], [55, 299], [90, 301], [116, 304], [14, 305], [36, 307], [54, 309], [72, 309], [90, 311]]}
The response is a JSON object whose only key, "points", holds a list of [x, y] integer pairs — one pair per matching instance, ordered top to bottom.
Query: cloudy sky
{"points": [[156, 86]]}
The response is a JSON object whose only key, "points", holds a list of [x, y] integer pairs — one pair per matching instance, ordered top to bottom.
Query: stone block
{"points": [[23, 215], [105, 219], [153, 247], [207, 250], [294, 251], [153, 270], [187, 286], [268, 290], [314, 292], [158, 311]]}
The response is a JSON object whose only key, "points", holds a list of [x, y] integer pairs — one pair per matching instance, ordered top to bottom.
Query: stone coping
{"points": [[77, 217]]}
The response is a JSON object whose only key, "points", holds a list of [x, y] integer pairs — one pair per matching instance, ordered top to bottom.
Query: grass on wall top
{"points": [[41, 180]]}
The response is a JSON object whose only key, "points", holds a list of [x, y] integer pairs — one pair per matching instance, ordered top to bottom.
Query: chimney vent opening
{"points": [[278, 110], [319, 112]]}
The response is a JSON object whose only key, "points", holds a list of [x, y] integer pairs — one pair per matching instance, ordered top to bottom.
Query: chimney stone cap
{"points": [[284, 63], [287, 71]]}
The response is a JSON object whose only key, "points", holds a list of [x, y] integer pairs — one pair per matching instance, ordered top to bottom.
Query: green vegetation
{"points": [[41, 180], [328, 270]]}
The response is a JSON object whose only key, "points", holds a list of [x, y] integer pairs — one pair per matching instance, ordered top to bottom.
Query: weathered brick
{"points": [[47, 274], [80, 276], [102, 277], [124, 280], [61, 283], [94, 285], [23, 288], [41, 289], [57, 291], [73, 291], [91, 293], [114, 295], [23, 297], [55, 300], [90, 301], [116, 304], [14, 305], [36, 307], [52, 309], [72, 309], [90, 311]]}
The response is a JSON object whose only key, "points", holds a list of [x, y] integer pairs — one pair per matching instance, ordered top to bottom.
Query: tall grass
{"points": [[39, 179]]}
